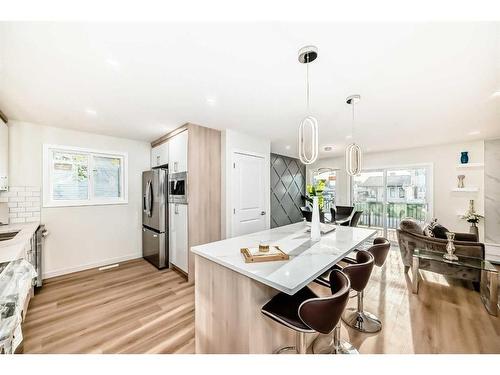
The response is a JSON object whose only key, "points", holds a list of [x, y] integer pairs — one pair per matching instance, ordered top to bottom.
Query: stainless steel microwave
{"points": [[177, 188]]}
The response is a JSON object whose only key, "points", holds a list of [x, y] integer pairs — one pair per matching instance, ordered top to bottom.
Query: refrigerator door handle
{"points": [[149, 198]]}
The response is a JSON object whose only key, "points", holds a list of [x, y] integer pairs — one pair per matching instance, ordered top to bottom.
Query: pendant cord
{"points": [[307, 80], [352, 124]]}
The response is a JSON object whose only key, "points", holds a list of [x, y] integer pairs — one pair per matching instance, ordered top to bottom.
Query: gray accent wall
{"points": [[288, 176], [492, 191]]}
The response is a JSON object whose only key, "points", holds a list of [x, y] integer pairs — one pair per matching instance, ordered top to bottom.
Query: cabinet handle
{"points": [[158, 160], [175, 166], [176, 209]]}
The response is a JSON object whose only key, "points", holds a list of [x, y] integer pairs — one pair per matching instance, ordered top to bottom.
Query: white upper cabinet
{"points": [[178, 153], [4, 155], [159, 155]]}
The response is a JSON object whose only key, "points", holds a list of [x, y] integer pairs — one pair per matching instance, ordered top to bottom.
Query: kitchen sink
{"points": [[8, 235]]}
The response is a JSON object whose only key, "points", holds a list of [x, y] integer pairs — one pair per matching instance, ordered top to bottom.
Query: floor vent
{"points": [[109, 267]]}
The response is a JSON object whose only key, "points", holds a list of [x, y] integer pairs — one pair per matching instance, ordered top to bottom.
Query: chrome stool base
{"points": [[361, 320], [325, 344], [299, 348], [287, 350]]}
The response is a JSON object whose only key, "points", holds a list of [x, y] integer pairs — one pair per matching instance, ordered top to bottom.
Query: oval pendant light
{"points": [[309, 123], [353, 151]]}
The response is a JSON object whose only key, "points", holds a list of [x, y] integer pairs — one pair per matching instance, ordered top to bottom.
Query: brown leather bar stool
{"points": [[359, 274], [305, 312], [357, 318]]}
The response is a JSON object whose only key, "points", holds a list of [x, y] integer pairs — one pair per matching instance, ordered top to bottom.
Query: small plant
{"points": [[317, 191], [471, 215]]}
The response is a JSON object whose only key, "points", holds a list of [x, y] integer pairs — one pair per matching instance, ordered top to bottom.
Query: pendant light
{"points": [[309, 123], [353, 151]]}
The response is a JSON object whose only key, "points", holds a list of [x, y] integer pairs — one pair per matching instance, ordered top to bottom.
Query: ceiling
{"points": [[420, 83]]}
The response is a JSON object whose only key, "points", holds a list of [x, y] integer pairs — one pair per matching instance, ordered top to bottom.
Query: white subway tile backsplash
{"points": [[17, 199], [23, 202], [17, 209], [25, 214], [18, 220]]}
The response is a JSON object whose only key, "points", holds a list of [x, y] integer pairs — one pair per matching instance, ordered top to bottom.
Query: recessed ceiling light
{"points": [[113, 63], [496, 94], [211, 101], [91, 112], [474, 132], [348, 136], [287, 147], [328, 148]]}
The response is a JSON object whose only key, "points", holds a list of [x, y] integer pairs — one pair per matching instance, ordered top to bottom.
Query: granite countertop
{"points": [[13, 249], [307, 260]]}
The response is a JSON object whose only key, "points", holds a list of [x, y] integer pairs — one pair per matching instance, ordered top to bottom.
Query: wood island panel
{"points": [[227, 315]]}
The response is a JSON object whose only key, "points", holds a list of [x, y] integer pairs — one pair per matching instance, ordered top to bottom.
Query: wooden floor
{"points": [[130, 309], [137, 309]]}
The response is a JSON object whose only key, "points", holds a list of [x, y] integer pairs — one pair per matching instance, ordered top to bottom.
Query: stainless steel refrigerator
{"points": [[155, 216]]}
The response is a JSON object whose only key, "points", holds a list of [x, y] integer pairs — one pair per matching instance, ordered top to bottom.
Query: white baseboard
{"points": [[105, 262]]}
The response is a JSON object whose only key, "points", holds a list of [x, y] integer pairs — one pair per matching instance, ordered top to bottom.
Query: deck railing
{"points": [[373, 213]]}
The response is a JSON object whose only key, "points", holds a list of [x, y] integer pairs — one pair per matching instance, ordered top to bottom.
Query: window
{"points": [[78, 177], [330, 178], [388, 195]]}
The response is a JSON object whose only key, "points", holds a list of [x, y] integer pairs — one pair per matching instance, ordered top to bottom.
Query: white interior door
{"points": [[249, 194]]}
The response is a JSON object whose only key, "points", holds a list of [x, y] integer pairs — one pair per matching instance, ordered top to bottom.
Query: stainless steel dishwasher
{"points": [[36, 252]]}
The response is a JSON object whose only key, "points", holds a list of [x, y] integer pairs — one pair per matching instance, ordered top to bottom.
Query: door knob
{"points": [[263, 213]]}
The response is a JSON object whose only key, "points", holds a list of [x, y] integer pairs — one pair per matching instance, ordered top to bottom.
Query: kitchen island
{"points": [[229, 293]]}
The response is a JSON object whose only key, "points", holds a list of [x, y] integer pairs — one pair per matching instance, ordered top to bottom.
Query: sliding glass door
{"points": [[386, 196]]}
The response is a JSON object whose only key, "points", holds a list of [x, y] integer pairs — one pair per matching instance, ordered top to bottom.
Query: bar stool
{"points": [[359, 274], [305, 312], [357, 318]]}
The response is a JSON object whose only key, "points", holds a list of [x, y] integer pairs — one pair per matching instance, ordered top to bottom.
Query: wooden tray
{"points": [[263, 257]]}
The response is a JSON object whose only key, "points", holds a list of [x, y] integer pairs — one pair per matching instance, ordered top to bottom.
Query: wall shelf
{"points": [[470, 165], [470, 189]]}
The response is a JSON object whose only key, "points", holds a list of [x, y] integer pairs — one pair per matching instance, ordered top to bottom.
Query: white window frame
{"points": [[429, 182], [91, 201]]}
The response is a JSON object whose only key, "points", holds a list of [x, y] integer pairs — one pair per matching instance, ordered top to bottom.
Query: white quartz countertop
{"points": [[13, 249], [307, 260]]}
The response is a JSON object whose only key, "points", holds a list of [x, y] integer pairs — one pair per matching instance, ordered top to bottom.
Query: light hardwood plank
{"points": [[130, 309], [137, 309]]}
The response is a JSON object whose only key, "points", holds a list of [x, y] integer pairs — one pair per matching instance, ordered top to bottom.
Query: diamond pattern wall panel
{"points": [[288, 176]]}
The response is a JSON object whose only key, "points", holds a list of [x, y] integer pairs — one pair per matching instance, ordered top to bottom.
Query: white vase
{"points": [[315, 229]]}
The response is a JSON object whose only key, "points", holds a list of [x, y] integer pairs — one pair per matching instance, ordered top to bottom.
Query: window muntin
{"points": [[76, 177]]}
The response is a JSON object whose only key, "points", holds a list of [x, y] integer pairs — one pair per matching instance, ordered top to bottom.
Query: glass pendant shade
{"points": [[308, 124], [353, 159]]}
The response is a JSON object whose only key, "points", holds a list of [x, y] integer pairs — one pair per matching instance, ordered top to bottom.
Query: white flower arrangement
{"points": [[472, 217]]}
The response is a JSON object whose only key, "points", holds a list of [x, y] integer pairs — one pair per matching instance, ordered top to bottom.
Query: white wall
{"points": [[232, 141], [444, 158], [86, 236]]}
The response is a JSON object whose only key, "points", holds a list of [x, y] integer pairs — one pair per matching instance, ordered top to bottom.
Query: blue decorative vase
{"points": [[464, 158]]}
